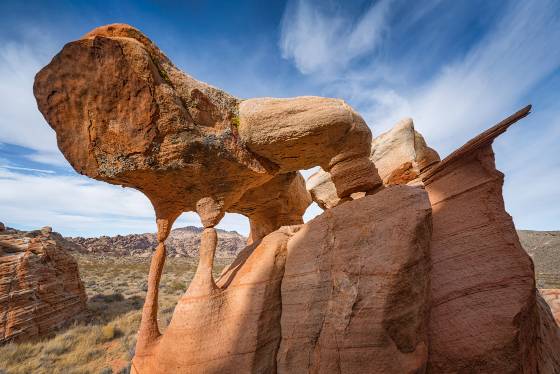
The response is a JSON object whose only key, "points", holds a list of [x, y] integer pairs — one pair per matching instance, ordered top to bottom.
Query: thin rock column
{"points": [[211, 212], [149, 329]]}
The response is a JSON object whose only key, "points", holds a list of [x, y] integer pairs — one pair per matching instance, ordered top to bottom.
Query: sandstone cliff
{"points": [[40, 286]]}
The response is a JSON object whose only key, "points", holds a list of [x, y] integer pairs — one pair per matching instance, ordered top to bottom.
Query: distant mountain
{"points": [[183, 241], [544, 248]]}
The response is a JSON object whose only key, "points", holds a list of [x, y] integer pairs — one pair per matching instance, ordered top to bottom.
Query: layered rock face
{"points": [[415, 269], [40, 286], [356, 291], [552, 298], [484, 309]]}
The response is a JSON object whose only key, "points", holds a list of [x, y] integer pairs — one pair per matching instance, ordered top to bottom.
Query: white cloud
{"points": [[320, 40], [465, 96], [21, 123], [76, 205]]}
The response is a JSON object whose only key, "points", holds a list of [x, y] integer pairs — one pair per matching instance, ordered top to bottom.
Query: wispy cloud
{"points": [[320, 39], [483, 83], [21, 123], [17, 168], [76, 205]]}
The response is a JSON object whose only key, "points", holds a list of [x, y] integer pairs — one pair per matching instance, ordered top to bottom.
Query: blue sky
{"points": [[455, 67]]}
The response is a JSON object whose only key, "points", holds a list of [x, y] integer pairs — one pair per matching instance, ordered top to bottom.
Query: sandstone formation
{"points": [[123, 113], [399, 154], [182, 242], [417, 269], [40, 286], [355, 293], [552, 298], [484, 315]]}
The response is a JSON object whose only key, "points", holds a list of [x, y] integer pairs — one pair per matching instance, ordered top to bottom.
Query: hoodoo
{"points": [[413, 267]]}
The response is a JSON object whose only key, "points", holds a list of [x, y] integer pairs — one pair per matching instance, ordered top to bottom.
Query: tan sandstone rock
{"points": [[399, 154], [40, 286], [355, 293], [236, 328]]}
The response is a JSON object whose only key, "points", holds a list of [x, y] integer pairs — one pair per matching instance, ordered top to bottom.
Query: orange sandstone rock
{"points": [[124, 114], [373, 285], [40, 286]]}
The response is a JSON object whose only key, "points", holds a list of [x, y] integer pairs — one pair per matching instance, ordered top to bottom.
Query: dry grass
{"points": [[104, 341]]}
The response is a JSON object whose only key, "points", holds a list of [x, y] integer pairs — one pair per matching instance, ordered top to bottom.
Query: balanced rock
{"points": [[124, 114], [400, 155], [425, 275], [40, 286]]}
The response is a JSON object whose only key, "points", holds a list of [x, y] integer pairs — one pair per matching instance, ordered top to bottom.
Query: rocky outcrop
{"points": [[124, 114], [400, 155], [181, 242], [427, 277], [40, 286], [320, 290], [552, 298], [244, 312], [484, 316]]}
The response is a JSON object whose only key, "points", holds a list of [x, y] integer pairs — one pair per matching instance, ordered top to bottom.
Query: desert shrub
{"points": [[109, 332]]}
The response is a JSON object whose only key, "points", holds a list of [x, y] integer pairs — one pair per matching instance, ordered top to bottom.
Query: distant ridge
{"points": [[182, 242], [544, 248]]}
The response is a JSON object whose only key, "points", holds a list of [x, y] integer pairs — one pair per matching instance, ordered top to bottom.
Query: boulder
{"points": [[124, 114], [399, 154], [40, 286]]}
